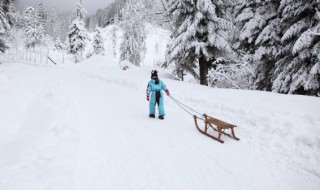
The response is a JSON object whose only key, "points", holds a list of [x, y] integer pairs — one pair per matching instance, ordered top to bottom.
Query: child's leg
{"points": [[161, 107], [152, 108]]}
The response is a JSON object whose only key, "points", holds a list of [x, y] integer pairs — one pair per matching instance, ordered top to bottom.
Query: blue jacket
{"points": [[153, 87], [151, 90]]}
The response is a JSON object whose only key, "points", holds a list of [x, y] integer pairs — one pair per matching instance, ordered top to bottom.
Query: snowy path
{"points": [[86, 127]]}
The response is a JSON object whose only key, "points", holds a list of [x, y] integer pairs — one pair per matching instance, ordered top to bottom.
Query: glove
{"points": [[167, 92], [148, 97]]}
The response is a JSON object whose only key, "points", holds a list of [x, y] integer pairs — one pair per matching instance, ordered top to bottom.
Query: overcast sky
{"points": [[65, 5]]}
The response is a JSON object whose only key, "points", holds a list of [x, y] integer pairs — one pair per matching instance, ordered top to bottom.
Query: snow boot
{"points": [[152, 116], [161, 117]]}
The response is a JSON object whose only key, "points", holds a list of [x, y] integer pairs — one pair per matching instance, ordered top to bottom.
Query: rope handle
{"points": [[185, 108]]}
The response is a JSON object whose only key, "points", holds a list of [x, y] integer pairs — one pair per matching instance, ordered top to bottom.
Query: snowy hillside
{"points": [[86, 126]]}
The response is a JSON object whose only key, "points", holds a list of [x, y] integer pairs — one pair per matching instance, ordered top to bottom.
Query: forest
{"points": [[268, 45]]}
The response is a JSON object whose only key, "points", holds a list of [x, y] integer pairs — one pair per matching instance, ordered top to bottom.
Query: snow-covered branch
{"points": [[231, 74]]}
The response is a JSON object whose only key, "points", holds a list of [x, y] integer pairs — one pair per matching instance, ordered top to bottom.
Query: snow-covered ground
{"points": [[86, 126]]}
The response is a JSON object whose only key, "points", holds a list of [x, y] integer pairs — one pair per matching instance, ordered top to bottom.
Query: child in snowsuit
{"points": [[154, 88]]}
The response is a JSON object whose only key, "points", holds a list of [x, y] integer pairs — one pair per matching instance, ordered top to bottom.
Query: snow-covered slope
{"points": [[86, 126]]}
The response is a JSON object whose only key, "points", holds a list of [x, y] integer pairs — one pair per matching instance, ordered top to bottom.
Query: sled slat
{"points": [[218, 126]]}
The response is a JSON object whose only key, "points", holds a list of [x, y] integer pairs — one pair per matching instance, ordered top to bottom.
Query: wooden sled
{"points": [[217, 125]]}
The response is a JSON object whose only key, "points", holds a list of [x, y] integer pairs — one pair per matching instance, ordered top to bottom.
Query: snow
{"points": [[86, 126]]}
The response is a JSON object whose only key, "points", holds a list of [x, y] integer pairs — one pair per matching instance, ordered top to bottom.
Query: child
{"points": [[154, 88]]}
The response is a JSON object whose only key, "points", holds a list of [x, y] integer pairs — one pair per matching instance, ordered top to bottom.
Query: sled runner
{"points": [[217, 125]]}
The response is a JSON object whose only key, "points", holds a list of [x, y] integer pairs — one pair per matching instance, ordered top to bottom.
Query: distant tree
{"points": [[80, 12], [41, 14], [105, 15], [34, 30], [78, 35], [77, 39], [114, 41], [98, 42], [59, 46], [133, 46]]}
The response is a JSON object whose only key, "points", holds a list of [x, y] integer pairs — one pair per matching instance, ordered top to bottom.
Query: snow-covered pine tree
{"points": [[10, 11], [80, 12], [41, 14], [29, 17], [7, 20], [318, 25], [4, 26], [260, 30], [34, 31], [78, 35], [199, 35], [77, 39], [114, 41], [98, 42], [58, 45], [133, 46], [295, 71]]}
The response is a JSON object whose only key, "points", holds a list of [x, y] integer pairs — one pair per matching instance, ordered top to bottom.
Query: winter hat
{"points": [[154, 73]]}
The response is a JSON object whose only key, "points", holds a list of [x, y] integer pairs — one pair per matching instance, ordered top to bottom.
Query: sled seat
{"points": [[218, 126]]}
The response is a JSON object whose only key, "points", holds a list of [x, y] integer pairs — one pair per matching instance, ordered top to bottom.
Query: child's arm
{"points": [[163, 87], [148, 91]]}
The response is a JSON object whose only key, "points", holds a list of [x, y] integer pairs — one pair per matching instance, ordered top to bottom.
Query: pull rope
{"points": [[185, 108]]}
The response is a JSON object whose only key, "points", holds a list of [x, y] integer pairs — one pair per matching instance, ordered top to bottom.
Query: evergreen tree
{"points": [[10, 11], [80, 12], [41, 14], [7, 20], [318, 25], [4, 26], [34, 31], [260, 31], [78, 35], [198, 35], [77, 38], [114, 41], [98, 42], [59, 46], [133, 46], [296, 68]]}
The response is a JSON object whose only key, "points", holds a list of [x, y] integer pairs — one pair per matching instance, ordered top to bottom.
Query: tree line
{"points": [[270, 45]]}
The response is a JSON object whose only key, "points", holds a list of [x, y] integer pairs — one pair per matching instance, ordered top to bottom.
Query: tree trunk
{"points": [[203, 70], [182, 74]]}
